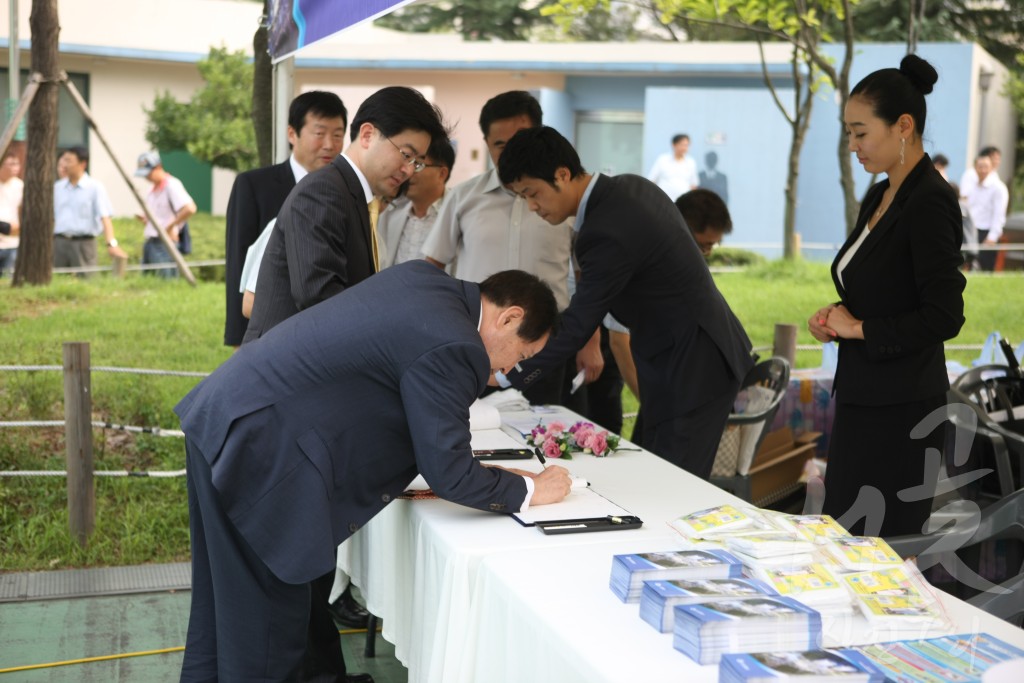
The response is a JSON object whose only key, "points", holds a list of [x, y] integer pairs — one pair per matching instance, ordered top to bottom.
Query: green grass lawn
{"points": [[144, 322]]}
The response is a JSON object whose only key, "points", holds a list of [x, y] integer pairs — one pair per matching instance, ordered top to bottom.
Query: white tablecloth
{"points": [[470, 596]]}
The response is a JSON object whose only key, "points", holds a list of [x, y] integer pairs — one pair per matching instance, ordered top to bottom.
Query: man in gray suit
{"points": [[322, 242], [299, 439]]}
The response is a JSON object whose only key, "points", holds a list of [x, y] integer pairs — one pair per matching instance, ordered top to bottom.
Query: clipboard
{"points": [[582, 503], [576, 526]]}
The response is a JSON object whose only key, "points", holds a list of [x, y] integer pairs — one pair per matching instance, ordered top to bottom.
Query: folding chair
{"points": [[765, 385], [1003, 520]]}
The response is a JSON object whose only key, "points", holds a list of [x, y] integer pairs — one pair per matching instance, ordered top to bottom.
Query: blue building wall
{"points": [[731, 112], [820, 208]]}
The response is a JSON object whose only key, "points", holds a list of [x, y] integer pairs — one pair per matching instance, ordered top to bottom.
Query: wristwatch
{"points": [[112, 242]]}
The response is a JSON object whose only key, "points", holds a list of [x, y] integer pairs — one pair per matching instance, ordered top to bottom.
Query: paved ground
{"points": [[40, 632]]}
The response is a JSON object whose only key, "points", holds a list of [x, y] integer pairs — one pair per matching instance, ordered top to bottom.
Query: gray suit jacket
{"points": [[320, 246], [313, 429]]}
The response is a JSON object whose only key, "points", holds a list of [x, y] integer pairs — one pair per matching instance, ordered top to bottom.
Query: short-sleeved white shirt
{"points": [[674, 176], [11, 193], [165, 201], [484, 229]]}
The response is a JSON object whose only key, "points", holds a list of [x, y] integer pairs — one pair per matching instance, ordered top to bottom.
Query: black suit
{"points": [[256, 198], [319, 246], [639, 261], [904, 282], [301, 437]]}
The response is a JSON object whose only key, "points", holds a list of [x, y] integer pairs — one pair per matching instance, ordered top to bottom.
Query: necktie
{"points": [[374, 208]]}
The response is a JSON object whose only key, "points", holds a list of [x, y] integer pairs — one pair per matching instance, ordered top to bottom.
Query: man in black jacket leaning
{"points": [[640, 263]]}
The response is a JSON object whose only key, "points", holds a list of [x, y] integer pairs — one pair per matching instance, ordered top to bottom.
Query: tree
{"points": [[473, 19], [797, 22], [263, 91], [215, 125], [35, 253]]}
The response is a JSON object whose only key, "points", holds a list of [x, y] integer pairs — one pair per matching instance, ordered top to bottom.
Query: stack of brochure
{"points": [[711, 522], [815, 528], [771, 548], [862, 552], [630, 571], [815, 585], [659, 598], [897, 598], [705, 632], [949, 659], [813, 666]]}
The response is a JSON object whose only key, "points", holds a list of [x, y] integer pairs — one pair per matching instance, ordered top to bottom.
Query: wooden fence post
{"points": [[784, 343], [78, 439]]}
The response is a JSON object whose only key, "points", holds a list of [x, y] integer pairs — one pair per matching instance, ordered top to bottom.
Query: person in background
{"points": [[316, 134], [941, 162], [675, 172], [713, 179], [969, 180], [12, 189], [170, 204], [987, 204], [82, 212], [708, 220], [407, 221], [483, 228], [901, 296]]}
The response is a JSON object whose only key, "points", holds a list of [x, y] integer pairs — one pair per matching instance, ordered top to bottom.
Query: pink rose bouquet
{"points": [[556, 441]]}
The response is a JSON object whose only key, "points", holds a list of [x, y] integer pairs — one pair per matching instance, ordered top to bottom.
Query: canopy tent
{"points": [[295, 24]]}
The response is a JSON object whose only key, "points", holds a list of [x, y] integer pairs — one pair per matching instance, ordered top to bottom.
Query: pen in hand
{"points": [[540, 456]]}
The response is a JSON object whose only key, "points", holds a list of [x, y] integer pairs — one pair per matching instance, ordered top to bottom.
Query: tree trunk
{"points": [[842, 84], [263, 91], [800, 125], [35, 252]]}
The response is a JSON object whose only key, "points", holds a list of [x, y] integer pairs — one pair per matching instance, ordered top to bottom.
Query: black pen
{"points": [[540, 456]]}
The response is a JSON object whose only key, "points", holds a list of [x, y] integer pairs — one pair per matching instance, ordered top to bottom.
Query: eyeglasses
{"points": [[410, 160]]}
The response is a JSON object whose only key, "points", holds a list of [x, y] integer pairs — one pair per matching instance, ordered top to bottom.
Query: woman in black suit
{"points": [[901, 297]]}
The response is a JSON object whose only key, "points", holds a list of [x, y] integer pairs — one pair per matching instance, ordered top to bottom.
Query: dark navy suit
{"points": [[256, 198], [639, 261], [301, 437]]}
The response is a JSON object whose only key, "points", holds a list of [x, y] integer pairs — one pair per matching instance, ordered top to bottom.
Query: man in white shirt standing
{"points": [[675, 173], [969, 180], [11, 189], [170, 204], [987, 204], [82, 212], [405, 224], [484, 228]]}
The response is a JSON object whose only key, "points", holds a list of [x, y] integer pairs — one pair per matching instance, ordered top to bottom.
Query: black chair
{"points": [[772, 374], [991, 393], [1003, 520]]}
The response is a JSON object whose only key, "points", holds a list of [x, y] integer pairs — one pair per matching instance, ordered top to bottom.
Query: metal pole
{"points": [[14, 58], [284, 86], [78, 441]]}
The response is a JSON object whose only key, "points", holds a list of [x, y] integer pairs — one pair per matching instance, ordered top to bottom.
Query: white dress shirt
{"points": [[987, 205]]}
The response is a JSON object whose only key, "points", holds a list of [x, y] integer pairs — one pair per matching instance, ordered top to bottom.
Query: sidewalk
{"points": [[67, 616]]}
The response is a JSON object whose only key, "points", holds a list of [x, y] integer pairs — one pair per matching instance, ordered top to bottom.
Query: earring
{"points": [[903, 149]]}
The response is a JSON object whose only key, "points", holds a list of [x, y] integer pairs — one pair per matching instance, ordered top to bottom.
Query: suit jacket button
{"points": [[386, 498], [497, 506], [353, 527]]}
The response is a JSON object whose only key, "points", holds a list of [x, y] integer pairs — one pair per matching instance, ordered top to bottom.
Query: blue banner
{"points": [[294, 24]]}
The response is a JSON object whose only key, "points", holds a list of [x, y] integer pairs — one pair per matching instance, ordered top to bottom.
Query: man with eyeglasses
{"points": [[408, 220], [324, 238], [323, 243]]}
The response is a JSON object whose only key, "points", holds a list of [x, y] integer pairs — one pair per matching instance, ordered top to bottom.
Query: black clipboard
{"points": [[503, 454], [586, 524]]}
